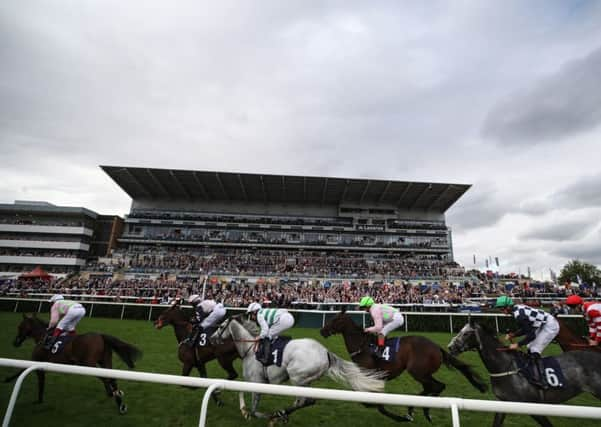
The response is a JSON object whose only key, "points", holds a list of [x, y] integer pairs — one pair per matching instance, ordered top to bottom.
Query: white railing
{"points": [[322, 313], [452, 403]]}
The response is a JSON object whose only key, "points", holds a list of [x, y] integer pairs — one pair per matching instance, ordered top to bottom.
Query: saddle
{"points": [[273, 354], [544, 373]]}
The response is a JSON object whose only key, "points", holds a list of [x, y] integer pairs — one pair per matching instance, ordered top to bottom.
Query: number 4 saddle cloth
{"points": [[391, 347], [552, 373]]}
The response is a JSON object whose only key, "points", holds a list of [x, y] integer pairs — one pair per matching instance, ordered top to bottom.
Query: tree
{"points": [[588, 273]]}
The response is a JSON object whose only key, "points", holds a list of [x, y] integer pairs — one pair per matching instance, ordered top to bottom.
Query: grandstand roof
{"points": [[142, 183]]}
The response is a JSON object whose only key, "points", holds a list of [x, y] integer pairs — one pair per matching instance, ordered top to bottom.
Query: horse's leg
{"points": [[227, 363], [202, 372], [41, 382], [110, 384], [432, 387], [299, 403], [398, 418], [542, 420], [498, 421]]}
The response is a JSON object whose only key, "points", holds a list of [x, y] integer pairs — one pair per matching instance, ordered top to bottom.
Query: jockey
{"points": [[71, 312], [207, 314], [592, 314], [386, 319], [273, 321], [538, 327]]}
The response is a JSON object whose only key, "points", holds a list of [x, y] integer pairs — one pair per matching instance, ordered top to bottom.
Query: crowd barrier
{"points": [[414, 321], [454, 404]]}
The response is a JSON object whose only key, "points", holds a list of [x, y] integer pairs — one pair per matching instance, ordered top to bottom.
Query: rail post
{"points": [[122, 311], [13, 397], [205, 403], [455, 414]]}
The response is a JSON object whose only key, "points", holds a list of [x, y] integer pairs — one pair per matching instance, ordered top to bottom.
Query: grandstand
{"points": [[236, 223], [61, 239]]}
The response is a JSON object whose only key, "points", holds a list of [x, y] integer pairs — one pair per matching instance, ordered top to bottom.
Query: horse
{"points": [[569, 341], [91, 349], [418, 355], [197, 357], [304, 361], [582, 369]]}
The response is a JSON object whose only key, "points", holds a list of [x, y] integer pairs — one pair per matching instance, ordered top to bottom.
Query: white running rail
{"points": [[454, 404]]}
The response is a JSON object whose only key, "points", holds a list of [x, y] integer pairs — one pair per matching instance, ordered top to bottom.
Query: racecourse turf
{"points": [[77, 401]]}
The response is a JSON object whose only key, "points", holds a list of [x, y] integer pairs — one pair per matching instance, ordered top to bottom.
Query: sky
{"points": [[502, 95]]}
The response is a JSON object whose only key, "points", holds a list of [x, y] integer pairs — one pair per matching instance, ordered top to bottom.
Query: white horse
{"points": [[305, 360]]}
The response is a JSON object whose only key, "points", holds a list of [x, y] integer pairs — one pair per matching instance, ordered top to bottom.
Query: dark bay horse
{"points": [[569, 341], [91, 349], [418, 355], [196, 357], [582, 370]]}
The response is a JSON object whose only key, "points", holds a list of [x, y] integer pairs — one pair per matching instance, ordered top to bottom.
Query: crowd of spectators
{"points": [[54, 253], [277, 262], [298, 294]]}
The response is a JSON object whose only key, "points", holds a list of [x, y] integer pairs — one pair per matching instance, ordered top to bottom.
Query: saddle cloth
{"points": [[61, 342], [391, 347], [277, 350], [552, 373]]}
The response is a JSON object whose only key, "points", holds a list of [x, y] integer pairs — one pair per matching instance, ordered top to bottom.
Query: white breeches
{"points": [[71, 318], [285, 321], [397, 321], [544, 336]]}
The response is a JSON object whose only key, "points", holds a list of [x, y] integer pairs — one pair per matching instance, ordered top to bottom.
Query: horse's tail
{"points": [[126, 352], [467, 371], [357, 378]]}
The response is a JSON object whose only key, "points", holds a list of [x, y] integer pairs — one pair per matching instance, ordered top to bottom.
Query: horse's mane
{"points": [[37, 321]]}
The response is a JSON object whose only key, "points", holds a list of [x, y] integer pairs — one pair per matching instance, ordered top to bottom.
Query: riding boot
{"points": [[51, 339], [381, 344], [266, 353], [537, 369]]}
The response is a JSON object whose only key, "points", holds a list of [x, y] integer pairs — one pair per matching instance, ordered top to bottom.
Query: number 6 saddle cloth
{"points": [[552, 373]]}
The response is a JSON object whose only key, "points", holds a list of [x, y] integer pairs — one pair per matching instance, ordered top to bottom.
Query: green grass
{"points": [[74, 401]]}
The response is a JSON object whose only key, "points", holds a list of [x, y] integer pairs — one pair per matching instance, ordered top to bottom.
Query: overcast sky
{"points": [[502, 95]]}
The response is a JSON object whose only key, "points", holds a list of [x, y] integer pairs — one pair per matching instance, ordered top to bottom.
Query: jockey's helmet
{"points": [[56, 297], [194, 299], [573, 300], [503, 301], [366, 302], [253, 307]]}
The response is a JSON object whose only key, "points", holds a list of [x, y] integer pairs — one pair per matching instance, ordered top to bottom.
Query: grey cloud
{"points": [[562, 105], [585, 192], [478, 208], [559, 232], [589, 252]]}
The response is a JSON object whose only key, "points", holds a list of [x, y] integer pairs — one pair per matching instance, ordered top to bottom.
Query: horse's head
{"points": [[170, 316], [336, 325], [26, 328], [466, 339]]}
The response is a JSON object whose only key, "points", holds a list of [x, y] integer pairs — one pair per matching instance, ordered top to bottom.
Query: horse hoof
{"points": [[119, 393], [219, 403], [123, 409], [246, 414], [407, 418]]}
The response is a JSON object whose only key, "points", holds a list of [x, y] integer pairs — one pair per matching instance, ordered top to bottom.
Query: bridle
{"points": [[226, 325]]}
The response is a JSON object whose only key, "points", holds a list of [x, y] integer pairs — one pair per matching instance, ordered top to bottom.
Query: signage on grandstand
{"points": [[363, 227]]}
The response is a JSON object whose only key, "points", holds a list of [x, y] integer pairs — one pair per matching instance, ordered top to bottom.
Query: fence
{"points": [[414, 321], [454, 404]]}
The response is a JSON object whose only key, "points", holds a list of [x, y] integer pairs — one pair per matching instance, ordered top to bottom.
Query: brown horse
{"points": [[569, 341], [91, 349], [418, 355], [196, 357]]}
